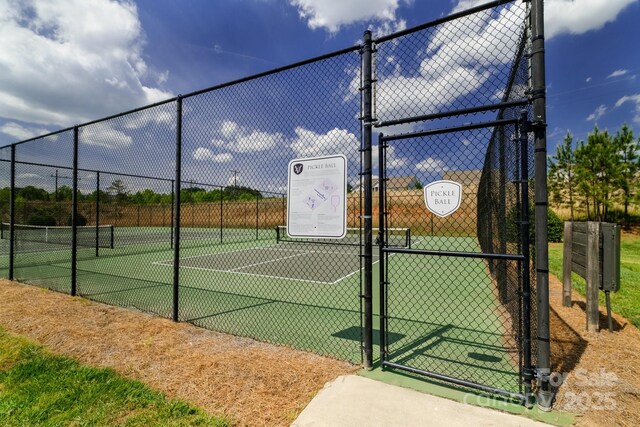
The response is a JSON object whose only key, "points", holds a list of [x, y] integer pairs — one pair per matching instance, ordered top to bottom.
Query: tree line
{"points": [[597, 175], [118, 193]]}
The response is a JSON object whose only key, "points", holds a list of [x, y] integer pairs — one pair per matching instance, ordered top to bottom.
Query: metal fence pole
{"points": [[538, 91], [368, 205], [176, 209], [12, 212], [97, 213], [74, 214], [524, 235], [382, 240]]}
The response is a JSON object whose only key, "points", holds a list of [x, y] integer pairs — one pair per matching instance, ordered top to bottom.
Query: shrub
{"points": [[39, 218], [80, 220], [555, 227]]}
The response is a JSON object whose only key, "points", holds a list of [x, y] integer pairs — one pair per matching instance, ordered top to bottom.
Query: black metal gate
{"points": [[455, 306]]}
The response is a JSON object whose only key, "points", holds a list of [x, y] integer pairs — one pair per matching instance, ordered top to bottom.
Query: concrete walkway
{"points": [[352, 400]]}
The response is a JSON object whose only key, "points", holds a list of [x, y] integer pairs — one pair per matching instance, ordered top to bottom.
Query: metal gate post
{"points": [[538, 90], [368, 205], [524, 236], [382, 242]]}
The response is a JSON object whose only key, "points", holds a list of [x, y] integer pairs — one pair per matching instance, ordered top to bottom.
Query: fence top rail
{"points": [[443, 20]]}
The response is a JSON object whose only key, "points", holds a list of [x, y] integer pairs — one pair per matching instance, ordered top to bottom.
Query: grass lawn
{"points": [[625, 302], [38, 388]]}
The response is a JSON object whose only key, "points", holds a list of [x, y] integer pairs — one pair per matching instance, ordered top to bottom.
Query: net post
{"points": [[538, 89], [367, 92], [173, 183], [176, 209], [12, 212], [221, 212], [98, 213], [74, 214], [257, 215]]}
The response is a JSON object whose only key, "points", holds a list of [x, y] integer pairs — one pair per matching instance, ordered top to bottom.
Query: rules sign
{"points": [[443, 197], [316, 202]]}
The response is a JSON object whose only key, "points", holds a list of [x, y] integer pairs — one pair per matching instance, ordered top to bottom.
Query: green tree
{"points": [[629, 151], [597, 167], [562, 172], [118, 191], [32, 193]]}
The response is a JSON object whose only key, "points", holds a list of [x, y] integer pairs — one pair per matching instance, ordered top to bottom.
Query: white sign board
{"points": [[443, 197], [316, 198]]}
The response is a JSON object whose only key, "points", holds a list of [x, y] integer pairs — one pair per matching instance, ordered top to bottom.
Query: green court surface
{"points": [[443, 312]]}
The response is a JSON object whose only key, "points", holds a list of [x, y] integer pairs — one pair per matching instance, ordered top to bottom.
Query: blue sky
{"points": [[65, 62]]}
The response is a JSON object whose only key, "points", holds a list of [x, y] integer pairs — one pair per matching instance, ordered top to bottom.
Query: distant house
{"points": [[469, 179], [392, 183], [399, 183], [360, 187]]}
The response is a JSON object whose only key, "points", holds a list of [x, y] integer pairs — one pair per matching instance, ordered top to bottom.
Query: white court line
{"points": [[272, 247], [267, 262], [169, 263]]}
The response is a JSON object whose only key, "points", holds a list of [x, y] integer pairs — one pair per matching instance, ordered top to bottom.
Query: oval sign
{"points": [[443, 197]]}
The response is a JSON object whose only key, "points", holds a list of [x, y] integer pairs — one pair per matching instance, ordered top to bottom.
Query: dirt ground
{"points": [[602, 369], [252, 383], [260, 384]]}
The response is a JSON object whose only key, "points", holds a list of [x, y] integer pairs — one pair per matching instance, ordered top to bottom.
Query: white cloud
{"points": [[333, 14], [578, 17], [458, 60], [68, 61], [617, 73], [588, 79], [426, 95], [634, 99], [599, 112], [228, 128], [20, 132], [102, 134], [239, 139], [309, 143], [202, 153], [394, 161], [431, 165], [29, 175]]}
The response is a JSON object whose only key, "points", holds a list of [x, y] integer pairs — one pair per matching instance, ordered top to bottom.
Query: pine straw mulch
{"points": [[250, 382], [254, 383], [603, 384]]}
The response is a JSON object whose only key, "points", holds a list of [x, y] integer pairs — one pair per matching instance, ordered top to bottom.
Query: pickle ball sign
{"points": [[316, 197], [443, 197]]}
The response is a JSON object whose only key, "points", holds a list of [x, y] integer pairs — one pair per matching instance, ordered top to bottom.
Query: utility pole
{"points": [[57, 177]]}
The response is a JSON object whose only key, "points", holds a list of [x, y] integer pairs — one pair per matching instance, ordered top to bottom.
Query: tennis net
{"points": [[87, 235], [395, 237]]}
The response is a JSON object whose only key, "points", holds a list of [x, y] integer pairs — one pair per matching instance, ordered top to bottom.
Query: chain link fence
{"points": [[449, 99], [180, 208]]}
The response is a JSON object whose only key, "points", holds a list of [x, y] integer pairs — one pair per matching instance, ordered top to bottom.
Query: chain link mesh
{"points": [[5, 194], [238, 270], [461, 315]]}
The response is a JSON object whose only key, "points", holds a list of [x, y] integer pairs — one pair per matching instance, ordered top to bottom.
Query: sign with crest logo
{"points": [[443, 197], [316, 199]]}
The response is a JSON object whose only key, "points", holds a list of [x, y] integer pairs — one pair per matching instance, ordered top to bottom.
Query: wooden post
{"points": [[567, 259], [593, 275]]}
